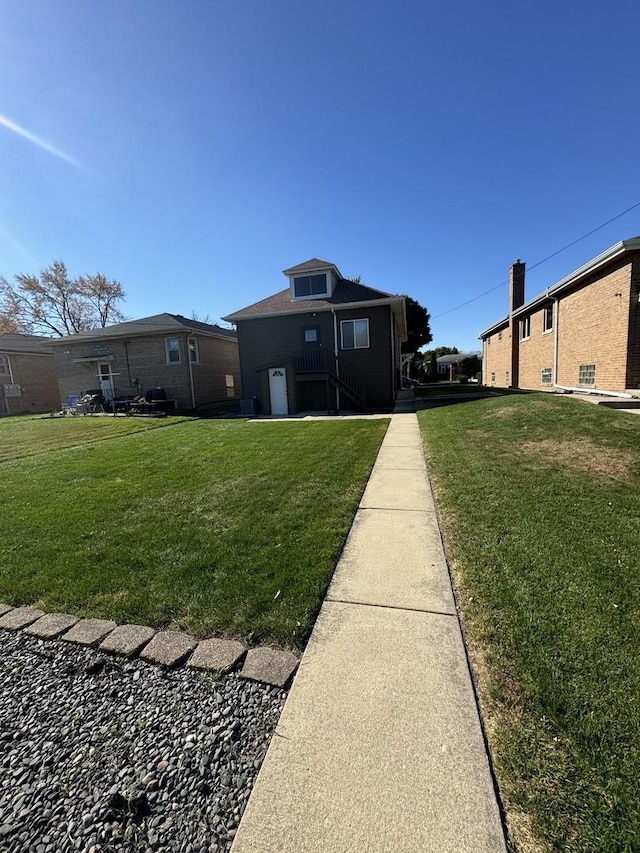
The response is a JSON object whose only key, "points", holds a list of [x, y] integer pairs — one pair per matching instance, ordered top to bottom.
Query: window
{"points": [[310, 285], [547, 319], [525, 328], [355, 334], [311, 335], [499, 336], [488, 341], [172, 347], [194, 355], [4, 364], [587, 374], [506, 376], [545, 376], [493, 377], [230, 385]]}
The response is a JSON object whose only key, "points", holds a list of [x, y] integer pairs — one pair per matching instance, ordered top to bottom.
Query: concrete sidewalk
{"points": [[379, 746]]}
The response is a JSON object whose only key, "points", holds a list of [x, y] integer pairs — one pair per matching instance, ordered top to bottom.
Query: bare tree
{"points": [[54, 304]]}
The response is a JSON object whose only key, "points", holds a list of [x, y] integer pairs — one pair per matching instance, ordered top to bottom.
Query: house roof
{"points": [[310, 265], [569, 281], [345, 293], [156, 324], [11, 342], [456, 358]]}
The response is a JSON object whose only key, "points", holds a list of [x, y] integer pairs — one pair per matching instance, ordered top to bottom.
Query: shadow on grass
{"points": [[444, 399]]}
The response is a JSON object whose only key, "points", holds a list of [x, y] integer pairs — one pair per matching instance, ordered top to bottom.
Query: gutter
{"points": [[597, 391]]}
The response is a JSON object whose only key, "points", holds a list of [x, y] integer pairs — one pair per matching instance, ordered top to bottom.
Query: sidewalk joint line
{"points": [[391, 607]]}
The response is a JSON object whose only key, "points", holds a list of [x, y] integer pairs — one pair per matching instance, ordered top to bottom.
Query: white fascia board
{"points": [[582, 272], [342, 306], [494, 328]]}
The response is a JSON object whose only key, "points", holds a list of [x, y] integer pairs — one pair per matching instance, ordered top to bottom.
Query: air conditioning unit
{"points": [[248, 406]]}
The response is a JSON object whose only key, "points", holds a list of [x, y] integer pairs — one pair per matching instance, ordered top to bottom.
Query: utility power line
{"points": [[538, 263]]}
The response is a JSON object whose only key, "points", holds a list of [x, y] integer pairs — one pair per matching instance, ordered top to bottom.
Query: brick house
{"points": [[582, 333], [324, 343], [196, 363], [27, 375]]}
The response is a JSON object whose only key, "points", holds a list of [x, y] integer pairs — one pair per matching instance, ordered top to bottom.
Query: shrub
{"points": [[461, 377]]}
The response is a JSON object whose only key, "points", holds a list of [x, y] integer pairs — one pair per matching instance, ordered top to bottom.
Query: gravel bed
{"points": [[105, 754]]}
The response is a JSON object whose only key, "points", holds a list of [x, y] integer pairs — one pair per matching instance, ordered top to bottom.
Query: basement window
{"points": [[547, 319], [525, 328], [587, 374], [545, 376]]}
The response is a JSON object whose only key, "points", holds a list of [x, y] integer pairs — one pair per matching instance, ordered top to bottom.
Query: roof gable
{"points": [[345, 293]]}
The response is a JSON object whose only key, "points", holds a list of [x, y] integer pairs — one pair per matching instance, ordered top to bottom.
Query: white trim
{"points": [[310, 297], [342, 306], [354, 320], [196, 349], [166, 351]]}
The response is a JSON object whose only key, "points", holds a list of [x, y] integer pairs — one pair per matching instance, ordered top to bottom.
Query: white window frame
{"points": [[325, 292], [343, 323], [547, 324], [525, 328], [167, 342], [193, 350], [546, 376]]}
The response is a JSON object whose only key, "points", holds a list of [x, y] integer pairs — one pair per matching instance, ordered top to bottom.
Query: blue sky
{"points": [[195, 149]]}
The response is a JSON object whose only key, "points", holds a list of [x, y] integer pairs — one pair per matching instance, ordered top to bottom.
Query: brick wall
{"points": [[593, 329], [536, 353], [633, 354], [218, 358], [496, 359], [139, 364], [36, 376]]}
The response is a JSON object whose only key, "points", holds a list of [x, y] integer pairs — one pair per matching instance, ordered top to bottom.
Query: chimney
{"points": [[516, 286], [516, 300]]}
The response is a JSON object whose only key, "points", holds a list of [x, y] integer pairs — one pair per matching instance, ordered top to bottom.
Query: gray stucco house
{"points": [[324, 343], [196, 363]]}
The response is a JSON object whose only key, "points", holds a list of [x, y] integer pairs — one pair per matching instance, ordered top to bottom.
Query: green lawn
{"points": [[439, 389], [540, 502], [215, 527]]}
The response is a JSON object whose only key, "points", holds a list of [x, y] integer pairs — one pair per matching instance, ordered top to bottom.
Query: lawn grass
{"points": [[439, 389], [27, 435], [539, 499], [219, 528]]}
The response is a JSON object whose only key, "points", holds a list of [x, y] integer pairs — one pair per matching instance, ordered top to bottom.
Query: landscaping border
{"points": [[163, 648]]}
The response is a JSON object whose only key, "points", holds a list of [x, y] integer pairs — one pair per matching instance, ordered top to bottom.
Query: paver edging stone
{"points": [[20, 617], [51, 625], [166, 648]]}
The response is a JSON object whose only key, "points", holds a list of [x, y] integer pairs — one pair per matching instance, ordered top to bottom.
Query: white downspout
{"points": [[556, 332], [335, 353], [584, 390], [193, 393]]}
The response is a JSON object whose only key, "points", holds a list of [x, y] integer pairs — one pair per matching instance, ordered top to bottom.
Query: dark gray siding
{"points": [[273, 342]]}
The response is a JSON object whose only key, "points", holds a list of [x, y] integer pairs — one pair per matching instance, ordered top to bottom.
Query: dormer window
{"points": [[305, 286]]}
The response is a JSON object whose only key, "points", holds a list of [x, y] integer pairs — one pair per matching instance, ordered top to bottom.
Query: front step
{"points": [[620, 404]]}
